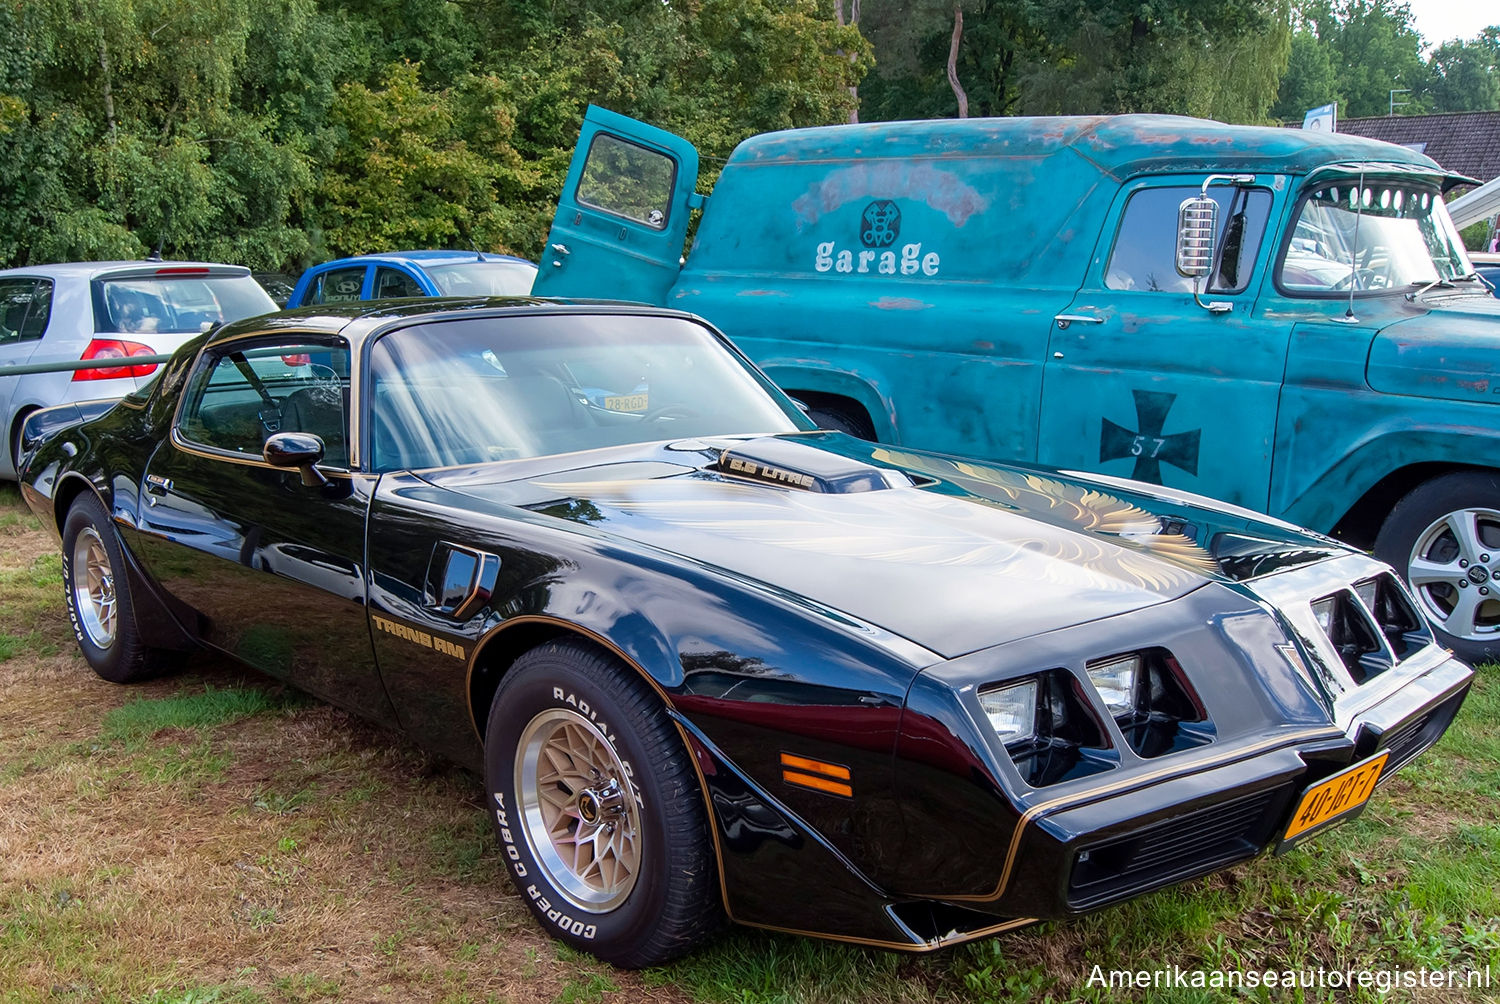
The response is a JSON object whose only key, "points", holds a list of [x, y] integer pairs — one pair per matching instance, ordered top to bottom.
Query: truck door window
{"points": [[628, 180], [1145, 248]]}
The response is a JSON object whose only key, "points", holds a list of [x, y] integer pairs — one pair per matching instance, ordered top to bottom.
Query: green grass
{"points": [[144, 717]]}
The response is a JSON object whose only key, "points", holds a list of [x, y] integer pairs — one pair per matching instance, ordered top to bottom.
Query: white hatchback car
{"points": [[105, 310]]}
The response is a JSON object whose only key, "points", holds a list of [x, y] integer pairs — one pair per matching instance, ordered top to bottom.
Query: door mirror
{"points": [[1197, 229], [301, 450]]}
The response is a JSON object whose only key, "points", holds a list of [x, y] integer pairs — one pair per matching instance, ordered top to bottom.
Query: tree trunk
{"points": [[838, 15], [958, 90], [109, 95]]}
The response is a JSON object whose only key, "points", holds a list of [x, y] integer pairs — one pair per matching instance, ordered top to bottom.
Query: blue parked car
{"points": [[413, 273]]}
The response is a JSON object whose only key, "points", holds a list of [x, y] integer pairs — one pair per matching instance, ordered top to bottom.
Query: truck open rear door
{"points": [[622, 217]]}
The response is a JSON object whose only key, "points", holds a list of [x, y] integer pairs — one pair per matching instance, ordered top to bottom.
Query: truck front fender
{"points": [[1322, 502]]}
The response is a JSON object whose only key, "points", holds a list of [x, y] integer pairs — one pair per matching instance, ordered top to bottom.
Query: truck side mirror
{"points": [[1197, 229]]}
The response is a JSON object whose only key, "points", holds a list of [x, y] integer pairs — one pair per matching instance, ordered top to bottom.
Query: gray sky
{"points": [[1441, 20]]}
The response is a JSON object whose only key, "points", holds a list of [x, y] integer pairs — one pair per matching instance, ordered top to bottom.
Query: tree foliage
{"points": [[284, 131], [278, 132]]}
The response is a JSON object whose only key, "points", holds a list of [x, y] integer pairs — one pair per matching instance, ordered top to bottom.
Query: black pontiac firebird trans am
{"points": [[712, 662]]}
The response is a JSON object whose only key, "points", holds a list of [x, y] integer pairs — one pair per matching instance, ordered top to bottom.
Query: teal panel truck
{"points": [[1283, 319]]}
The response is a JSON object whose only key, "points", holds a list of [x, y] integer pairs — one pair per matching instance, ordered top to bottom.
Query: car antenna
{"points": [[1359, 199], [477, 252], [155, 254]]}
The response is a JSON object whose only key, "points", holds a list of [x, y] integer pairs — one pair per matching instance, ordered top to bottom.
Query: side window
{"points": [[627, 180], [1144, 255], [392, 282], [339, 285], [25, 306], [236, 399]]}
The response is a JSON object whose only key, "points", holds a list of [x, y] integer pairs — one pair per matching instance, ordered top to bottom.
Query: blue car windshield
{"points": [[484, 278], [500, 388]]}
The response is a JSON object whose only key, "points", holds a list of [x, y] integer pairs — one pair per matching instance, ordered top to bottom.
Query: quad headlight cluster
{"points": [[1355, 621], [1050, 726]]}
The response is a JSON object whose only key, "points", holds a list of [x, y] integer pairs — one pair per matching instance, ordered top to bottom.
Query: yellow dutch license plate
{"points": [[627, 402], [1334, 798]]}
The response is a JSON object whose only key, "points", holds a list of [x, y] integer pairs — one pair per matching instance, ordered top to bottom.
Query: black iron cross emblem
{"points": [[1150, 446]]}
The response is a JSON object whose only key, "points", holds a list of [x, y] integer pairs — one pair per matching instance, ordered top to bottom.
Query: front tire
{"points": [[1444, 538], [99, 602], [598, 808]]}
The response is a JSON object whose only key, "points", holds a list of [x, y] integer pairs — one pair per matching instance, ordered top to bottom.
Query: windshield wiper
{"points": [[1445, 283]]}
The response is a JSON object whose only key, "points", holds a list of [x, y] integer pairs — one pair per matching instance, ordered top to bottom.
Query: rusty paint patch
{"points": [[942, 190], [762, 292], [899, 303], [985, 346], [1478, 386]]}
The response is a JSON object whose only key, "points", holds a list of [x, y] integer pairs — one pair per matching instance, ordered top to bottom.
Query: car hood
{"points": [[1452, 352], [953, 555]]}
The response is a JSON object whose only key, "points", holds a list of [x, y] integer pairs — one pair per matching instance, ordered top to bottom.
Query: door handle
{"points": [[562, 251], [1063, 320], [158, 485]]}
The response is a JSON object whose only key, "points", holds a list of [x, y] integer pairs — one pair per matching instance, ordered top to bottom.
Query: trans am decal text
{"points": [[422, 638]]}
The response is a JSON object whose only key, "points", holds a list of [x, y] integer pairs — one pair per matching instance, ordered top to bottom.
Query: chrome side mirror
{"points": [[1197, 229]]}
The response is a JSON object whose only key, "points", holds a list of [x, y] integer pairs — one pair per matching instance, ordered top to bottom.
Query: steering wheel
{"points": [[1369, 279], [669, 411]]}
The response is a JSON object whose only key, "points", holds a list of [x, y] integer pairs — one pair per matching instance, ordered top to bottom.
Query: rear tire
{"points": [[1444, 539], [99, 601], [598, 808]]}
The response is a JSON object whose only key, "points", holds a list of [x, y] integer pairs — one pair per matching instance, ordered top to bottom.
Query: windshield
{"points": [[1382, 236], [484, 278], [176, 304], [500, 388]]}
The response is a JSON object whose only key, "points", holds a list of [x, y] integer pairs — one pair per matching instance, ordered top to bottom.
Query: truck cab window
{"points": [[1144, 254]]}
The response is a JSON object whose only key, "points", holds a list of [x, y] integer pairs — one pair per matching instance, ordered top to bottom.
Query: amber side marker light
{"points": [[805, 772]]}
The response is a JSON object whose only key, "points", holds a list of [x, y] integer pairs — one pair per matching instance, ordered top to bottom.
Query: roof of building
{"points": [[1463, 142]]}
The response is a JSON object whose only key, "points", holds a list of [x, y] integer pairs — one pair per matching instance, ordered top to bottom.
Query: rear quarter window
{"points": [[25, 308]]}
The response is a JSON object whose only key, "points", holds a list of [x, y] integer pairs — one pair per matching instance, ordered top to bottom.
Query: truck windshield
{"points": [[1377, 237]]}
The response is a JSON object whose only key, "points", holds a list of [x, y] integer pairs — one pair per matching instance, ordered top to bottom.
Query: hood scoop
{"points": [[792, 464]]}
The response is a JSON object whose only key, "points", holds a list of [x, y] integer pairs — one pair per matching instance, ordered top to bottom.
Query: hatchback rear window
{"points": [[176, 304]]}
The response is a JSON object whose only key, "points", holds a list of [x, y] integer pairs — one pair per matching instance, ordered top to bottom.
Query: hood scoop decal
{"points": [[792, 464]]}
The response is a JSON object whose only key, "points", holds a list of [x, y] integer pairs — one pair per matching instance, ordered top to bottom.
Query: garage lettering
{"points": [[830, 257], [415, 636]]}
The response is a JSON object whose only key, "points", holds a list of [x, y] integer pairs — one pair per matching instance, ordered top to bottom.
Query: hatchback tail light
{"points": [[114, 348]]}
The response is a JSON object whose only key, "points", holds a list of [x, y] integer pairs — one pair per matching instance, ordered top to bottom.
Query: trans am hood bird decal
{"points": [[1000, 556]]}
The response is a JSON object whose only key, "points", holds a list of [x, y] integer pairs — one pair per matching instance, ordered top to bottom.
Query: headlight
{"points": [[1115, 680], [1149, 697], [1011, 710]]}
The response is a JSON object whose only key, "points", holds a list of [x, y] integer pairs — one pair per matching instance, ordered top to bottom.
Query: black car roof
{"points": [[357, 321]]}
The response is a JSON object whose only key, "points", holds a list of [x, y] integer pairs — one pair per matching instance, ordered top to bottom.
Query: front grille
{"points": [[1408, 739], [1188, 845]]}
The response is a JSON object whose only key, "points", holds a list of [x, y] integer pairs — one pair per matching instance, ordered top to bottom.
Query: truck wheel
{"points": [[842, 419], [1444, 538], [98, 594], [598, 808]]}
